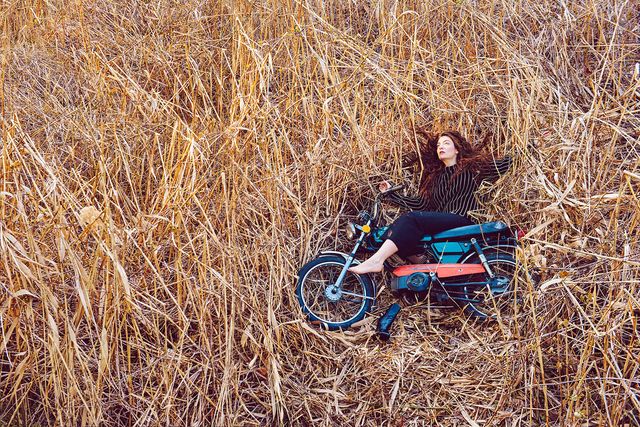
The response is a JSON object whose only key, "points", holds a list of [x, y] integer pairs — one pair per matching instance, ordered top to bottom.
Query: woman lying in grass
{"points": [[455, 170]]}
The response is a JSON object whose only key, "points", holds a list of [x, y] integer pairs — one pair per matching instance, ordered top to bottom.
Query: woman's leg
{"points": [[405, 233], [399, 237], [375, 264]]}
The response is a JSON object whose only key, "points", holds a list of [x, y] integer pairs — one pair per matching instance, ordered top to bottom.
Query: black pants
{"points": [[407, 230]]}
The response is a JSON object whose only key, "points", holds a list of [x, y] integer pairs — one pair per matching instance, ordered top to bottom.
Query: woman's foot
{"points": [[375, 264], [372, 265]]}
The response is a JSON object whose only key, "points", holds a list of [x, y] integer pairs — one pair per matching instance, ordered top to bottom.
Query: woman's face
{"points": [[447, 151]]}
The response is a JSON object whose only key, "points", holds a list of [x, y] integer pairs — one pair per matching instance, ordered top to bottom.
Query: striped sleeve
{"points": [[495, 169], [414, 203]]}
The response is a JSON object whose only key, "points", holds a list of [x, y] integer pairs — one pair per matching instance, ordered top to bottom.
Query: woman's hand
{"points": [[384, 186]]}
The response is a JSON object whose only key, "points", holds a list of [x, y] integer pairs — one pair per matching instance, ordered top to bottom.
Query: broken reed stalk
{"points": [[166, 169]]}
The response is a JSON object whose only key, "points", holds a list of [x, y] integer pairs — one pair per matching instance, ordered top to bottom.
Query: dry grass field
{"points": [[166, 167]]}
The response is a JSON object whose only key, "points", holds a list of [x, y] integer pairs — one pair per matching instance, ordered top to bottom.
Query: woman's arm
{"points": [[495, 169], [420, 203]]}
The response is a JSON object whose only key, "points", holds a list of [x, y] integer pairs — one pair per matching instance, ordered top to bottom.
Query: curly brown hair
{"points": [[469, 157]]}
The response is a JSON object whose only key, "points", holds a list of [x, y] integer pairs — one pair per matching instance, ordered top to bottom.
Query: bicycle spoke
{"points": [[356, 295]]}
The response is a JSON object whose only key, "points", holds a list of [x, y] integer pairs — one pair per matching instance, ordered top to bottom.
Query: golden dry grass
{"points": [[168, 166]]}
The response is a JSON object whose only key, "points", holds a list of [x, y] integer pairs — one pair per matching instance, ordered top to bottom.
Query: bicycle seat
{"points": [[468, 231]]}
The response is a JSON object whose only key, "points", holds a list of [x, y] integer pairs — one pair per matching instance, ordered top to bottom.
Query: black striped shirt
{"points": [[455, 195]]}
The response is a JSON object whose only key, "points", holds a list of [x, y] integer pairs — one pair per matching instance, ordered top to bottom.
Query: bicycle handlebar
{"points": [[393, 189], [376, 207]]}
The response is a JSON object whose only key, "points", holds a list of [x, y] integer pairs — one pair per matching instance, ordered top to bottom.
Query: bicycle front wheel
{"points": [[323, 302]]}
